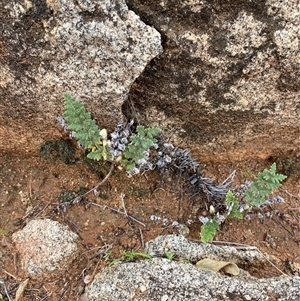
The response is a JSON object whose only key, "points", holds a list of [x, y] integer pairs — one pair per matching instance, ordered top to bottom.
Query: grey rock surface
{"points": [[93, 50], [228, 82], [182, 247], [46, 248], [160, 279]]}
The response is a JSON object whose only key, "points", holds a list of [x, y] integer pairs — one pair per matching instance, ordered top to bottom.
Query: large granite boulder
{"points": [[91, 49], [228, 81], [163, 279]]}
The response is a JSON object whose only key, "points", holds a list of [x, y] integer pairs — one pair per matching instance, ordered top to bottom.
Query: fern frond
{"points": [[80, 121]]}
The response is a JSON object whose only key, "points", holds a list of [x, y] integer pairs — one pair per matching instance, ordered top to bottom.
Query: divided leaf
{"points": [[80, 121], [140, 142], [96, 155], [267, 182], [256, 195], [232, 204], [209, 230]]}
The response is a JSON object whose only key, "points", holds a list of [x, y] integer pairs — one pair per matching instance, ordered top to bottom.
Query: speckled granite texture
{"points": [[93, 50], [228, 82], [46, 248], [160, 279]]}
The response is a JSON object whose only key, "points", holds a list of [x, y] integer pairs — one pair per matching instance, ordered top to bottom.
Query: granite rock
{"points": [[93, 50], [228, 82], [46, 248], [183, 248], [163, 279]]}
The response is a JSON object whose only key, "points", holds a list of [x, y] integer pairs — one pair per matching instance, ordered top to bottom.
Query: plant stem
{"points": [[102, 181], [79, 198], [117, 211]]}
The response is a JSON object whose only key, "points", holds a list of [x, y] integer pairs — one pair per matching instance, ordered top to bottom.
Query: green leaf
{"points": [[80, 121], [140, 142], [96, 155], [130, 166], [267, 182], [232, 201], [209, 230]]}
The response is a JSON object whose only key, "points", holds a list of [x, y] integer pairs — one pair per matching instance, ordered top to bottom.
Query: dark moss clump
{"points": [[58, 150]]}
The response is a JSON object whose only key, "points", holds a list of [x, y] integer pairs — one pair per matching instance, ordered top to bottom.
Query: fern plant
{"points": [[85, 129], [89, 135], [140, 143], [131, 150], [267, 181], [232, 205], [209, 229]]}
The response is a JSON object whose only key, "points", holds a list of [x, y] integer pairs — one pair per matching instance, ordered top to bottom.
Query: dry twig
{"points": [[289, 194], [78, 199], [117, 211], [142, 238], [247, 247], [5, 289]]}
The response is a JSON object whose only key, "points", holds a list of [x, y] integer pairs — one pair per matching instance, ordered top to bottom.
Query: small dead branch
{"points": [[229, 179], [101, 182], [30, 186], [289, 194], [123, 204], [63, 206], [31, 212], [39, 213], [129, 216], [75, 228], [287, 230], [142, 238], [240, 246], [102, 251], [10, 275], [89, 278], [2, 282], [21, 289], [66, 289]]}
